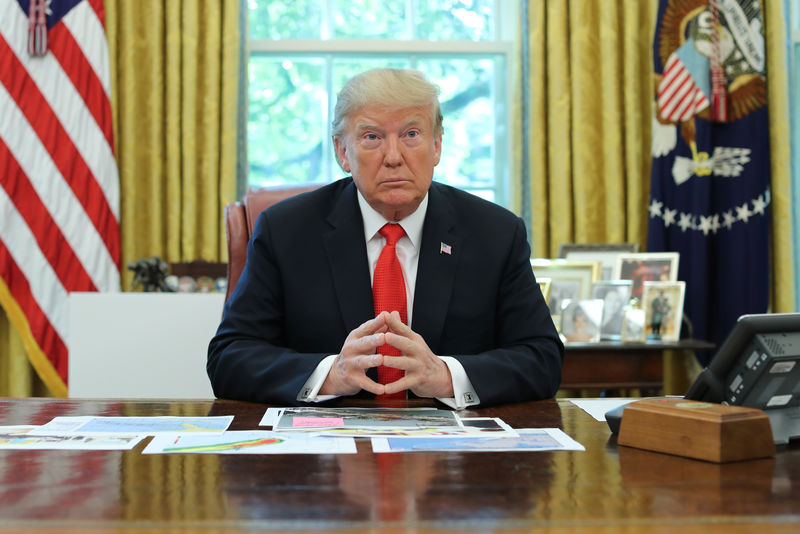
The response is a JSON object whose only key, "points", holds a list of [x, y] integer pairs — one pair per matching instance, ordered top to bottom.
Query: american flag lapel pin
{"points": [[444, 248]]}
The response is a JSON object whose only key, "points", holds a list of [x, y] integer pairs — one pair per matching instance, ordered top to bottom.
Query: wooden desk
{"points": [[616, 365], [606, 489]]}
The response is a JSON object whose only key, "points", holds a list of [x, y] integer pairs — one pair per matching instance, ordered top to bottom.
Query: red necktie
{"points": [[389, 294]]}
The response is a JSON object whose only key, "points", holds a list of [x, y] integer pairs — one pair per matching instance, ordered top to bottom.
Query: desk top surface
{"points": [[603, 489]]}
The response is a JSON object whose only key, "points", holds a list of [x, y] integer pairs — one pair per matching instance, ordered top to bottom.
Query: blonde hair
{"points": [[391, 88]]}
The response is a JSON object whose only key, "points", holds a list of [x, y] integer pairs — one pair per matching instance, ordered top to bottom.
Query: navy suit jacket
{"points": [[306, 285]]}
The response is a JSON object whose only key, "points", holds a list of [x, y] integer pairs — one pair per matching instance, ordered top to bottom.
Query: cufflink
{"points": [[306, 393], [467, 397]]}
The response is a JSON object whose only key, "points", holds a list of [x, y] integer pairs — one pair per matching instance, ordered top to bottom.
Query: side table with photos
{"points": [[618, 312]]}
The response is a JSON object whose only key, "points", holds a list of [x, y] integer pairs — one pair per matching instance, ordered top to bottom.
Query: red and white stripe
{"points": [[679, 98], [59, 186]]}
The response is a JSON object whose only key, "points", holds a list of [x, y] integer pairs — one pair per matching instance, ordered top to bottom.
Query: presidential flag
{"points": [[710, 188], [59, 200]]}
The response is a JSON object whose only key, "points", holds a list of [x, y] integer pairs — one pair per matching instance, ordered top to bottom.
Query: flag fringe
{"points": [[38, 359]]}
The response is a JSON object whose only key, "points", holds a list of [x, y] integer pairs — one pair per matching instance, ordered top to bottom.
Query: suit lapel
{"points": [[347, 257], [437, 268]]}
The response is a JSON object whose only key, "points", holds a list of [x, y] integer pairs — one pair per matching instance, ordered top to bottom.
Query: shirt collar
{"points": [[374, 221]]}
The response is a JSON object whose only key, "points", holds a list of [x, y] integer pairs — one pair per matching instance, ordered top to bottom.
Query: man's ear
{"points": [[437, 148], [341, 154]]}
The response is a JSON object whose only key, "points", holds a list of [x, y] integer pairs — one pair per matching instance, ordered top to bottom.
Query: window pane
{"points": [[298, 19], [369, 19], [455, 19], [347, 67], [467, 97], [287, 121]]}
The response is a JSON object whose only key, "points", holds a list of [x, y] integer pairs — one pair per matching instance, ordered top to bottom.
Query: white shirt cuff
{"points": [[308, 393], [464, 393]]}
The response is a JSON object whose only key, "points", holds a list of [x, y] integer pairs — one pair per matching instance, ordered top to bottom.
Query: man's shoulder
{"points": [[471, 205]]}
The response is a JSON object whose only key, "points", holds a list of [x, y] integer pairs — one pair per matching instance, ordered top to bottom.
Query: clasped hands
{"points": [[426, 375]]}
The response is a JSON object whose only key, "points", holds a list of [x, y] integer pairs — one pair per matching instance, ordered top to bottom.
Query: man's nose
{"points": [[393, 156]]}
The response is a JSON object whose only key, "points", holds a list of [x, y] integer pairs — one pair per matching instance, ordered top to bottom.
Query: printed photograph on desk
{"points": [[654, 266], [615, 295], [663, 307], [580, 320], [312, 418], [473, 427], [528, 439], [250, 442]]}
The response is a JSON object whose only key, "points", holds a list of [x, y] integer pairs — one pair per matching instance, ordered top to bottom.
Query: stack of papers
{"points": [[417, 429], [305, 430]]}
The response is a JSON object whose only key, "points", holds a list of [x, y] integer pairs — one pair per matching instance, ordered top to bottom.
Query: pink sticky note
{"points": [[317, 421]]}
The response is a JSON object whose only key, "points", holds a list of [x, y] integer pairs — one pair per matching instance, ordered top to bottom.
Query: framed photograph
{"points": [[606, 253], [655, 266], [569, 280], [544, 287], [615, 295], [662, 303], [580, 320], [632, 324]]}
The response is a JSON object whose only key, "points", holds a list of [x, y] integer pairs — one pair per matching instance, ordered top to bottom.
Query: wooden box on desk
{"points": [[701, 430]]}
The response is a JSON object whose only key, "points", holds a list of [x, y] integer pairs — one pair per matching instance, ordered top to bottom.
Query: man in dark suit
{"points": [[300, 325]]}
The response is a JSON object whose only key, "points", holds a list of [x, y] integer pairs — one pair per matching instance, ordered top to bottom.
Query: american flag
{"points": [[680, 97], [59, 200]]}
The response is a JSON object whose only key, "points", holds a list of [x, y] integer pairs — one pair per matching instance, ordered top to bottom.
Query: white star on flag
{"points": [[759, 205], [655, 208], [743, 212], [669, 216], [729, 219], [686, 221], [705, 224]]}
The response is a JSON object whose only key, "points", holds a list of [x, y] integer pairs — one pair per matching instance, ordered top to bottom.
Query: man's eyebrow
{"points": [[416, 121], [361, 126]]}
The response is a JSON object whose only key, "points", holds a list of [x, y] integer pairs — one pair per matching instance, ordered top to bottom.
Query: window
{"points": [[302, 52]]}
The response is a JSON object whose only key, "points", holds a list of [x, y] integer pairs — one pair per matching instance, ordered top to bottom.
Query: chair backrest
{"points": [[240, 218]]}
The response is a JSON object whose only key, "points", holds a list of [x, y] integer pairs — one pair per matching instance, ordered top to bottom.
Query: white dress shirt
{"points": [[408, 254]]}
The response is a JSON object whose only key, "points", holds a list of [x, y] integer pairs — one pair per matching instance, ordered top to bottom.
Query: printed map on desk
{"points": [[315, 419], [147, 426], [18, 437], [530, 439], [250, 442]]}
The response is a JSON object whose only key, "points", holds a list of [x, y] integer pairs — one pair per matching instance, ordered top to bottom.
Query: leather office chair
{"points": [[240, 218]]}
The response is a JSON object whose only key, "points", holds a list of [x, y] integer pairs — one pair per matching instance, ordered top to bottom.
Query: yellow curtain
{"points": [[174, 68], [174, 71], [590, 110], [17, 377]]}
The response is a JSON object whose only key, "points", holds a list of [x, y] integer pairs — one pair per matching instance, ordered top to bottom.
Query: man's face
{"points": [[391, 155]]}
